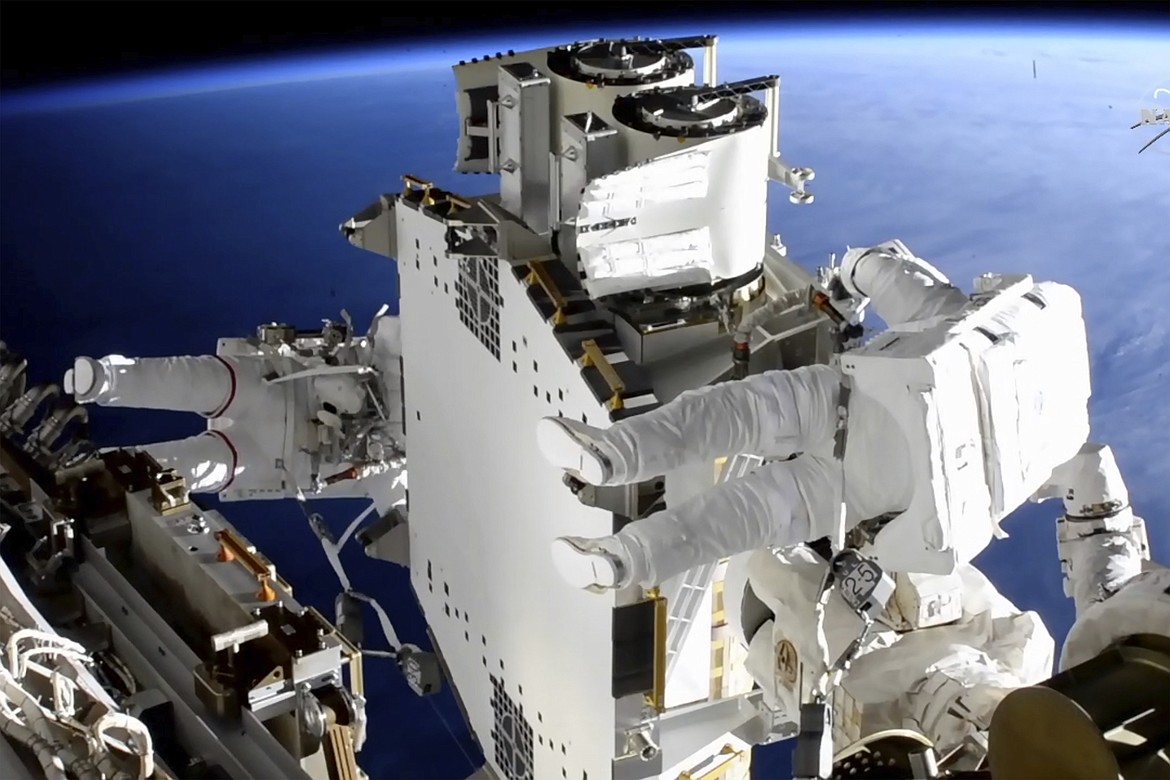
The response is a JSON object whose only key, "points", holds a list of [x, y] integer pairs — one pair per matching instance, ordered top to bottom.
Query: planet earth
{"points": [[152, 214]]}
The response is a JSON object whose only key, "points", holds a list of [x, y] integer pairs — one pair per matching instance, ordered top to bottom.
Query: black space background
{"points": [[50, 40]]}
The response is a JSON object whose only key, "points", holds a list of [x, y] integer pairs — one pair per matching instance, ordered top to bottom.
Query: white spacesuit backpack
{"points": [[990, 401]]}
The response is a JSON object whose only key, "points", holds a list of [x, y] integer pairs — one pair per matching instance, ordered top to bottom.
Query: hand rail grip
{"points": [[537, 273], [595, 357]]}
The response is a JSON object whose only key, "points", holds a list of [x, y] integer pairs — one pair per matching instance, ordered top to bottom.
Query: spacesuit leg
{"points": [[207, 384], [777, 412], [208, 461], [766, 508]]}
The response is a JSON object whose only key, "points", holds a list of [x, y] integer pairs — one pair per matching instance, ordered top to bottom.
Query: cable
{"points": [[447, 726]]}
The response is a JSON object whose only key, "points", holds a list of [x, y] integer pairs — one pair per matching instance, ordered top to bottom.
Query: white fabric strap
{"points": [[332, 551]]}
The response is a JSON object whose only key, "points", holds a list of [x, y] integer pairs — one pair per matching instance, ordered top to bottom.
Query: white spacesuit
{"points": [[986, 395], [287, 413], [946, 650]]}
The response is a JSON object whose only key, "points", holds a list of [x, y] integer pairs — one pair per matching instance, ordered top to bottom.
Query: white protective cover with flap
{"points": [[990, 402]]}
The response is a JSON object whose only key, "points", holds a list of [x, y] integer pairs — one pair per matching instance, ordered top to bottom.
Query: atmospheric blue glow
{"points": [[259, 71]]}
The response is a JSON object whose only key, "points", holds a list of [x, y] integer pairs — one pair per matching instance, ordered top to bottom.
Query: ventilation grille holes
{"points": [[479, 301], [511, 733]]}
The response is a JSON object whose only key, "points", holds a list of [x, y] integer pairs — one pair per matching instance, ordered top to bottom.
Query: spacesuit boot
{"points": [[577, 448], [592, 564]]}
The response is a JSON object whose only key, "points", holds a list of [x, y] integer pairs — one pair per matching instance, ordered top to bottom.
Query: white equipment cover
{"points": [[695, 216], [988, 404], [916, 675]]}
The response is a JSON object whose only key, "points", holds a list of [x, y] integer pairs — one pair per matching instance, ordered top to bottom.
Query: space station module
{"points": [[288, 413], [953, 417]]}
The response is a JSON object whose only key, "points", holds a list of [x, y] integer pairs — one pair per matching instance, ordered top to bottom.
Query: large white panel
{"points": [[484, 506]]}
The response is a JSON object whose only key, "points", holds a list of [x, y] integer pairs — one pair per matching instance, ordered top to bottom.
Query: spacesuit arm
{"points": [[902, 288], [1102, 544], [977, 664], [958, 697]]}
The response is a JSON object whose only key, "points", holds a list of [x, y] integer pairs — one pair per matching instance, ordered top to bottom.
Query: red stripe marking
{"points": [[231, 394], [235, 458]]}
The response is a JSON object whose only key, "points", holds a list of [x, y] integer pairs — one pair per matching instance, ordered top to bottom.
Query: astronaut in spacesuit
{"points": [[294, 415], [778, 415], [946, 650]]}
